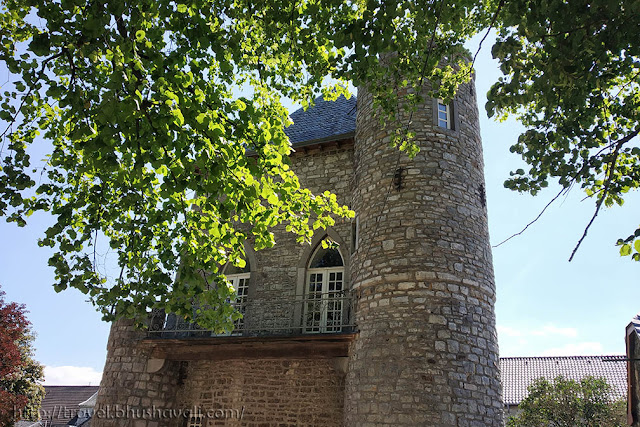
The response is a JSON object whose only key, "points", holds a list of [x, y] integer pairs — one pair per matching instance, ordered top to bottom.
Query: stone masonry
{"points": [[427, 353], [128, 385], [140, 391]]}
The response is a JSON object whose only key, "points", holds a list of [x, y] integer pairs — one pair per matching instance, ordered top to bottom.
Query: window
{"points": [[444, 115], [355, 229], [239, 279], [324, 292], [195, 420]]}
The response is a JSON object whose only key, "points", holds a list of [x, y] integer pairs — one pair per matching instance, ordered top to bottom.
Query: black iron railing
{"points": [[314, 314]]}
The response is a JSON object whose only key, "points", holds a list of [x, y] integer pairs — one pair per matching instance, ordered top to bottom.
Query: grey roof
{"points": [[325, 121], [519, 372], [61, 402], [90, 402]]}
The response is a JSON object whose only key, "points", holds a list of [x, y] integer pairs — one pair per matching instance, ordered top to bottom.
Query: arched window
{"points": [[239, 278], [324, 293]]}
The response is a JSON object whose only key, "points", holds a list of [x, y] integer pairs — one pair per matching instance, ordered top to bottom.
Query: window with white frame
{"points": [[445, 119], [239, 279], [324, 297], [195, 420]]}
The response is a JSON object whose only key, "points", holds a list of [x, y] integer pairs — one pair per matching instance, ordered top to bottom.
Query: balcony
{"points": [[320, 314], [319, 326]]}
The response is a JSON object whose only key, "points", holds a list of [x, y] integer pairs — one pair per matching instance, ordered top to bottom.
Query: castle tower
{"points": [[426, 353]]}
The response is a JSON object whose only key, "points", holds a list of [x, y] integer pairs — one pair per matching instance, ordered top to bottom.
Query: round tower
{"points": [[427, 351]]}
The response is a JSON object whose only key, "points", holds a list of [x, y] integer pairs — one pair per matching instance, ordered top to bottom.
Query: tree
{"points": [[572, 73], [167, 123], [168, 129], [20, 375], [563, 402]]}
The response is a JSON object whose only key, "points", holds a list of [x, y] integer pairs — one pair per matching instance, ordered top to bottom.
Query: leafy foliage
{"points": [[572, 73], [166, 120], [167, 127], [20, 375], [568, 403]]}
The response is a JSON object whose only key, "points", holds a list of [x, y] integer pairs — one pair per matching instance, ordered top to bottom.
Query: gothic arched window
{"points": [[324, 291]]}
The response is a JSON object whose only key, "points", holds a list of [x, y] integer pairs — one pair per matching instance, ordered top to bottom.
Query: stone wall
{"points": [[280, 272], [427, 350], [633, 376], [129, 390], [265, 392], [278, 392]]}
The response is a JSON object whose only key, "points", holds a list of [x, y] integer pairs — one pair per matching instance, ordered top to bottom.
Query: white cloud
{"points": [[550, 329], [509, 331], [544, 331], [586, 348], [71, 375]]}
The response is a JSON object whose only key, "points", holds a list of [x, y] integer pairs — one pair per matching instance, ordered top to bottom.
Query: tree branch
{"points": [[491, 25], [31, 88], [605, 190], [535, 220]]}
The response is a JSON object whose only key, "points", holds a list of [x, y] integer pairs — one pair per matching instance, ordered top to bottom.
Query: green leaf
{"points": [[625, 250]]}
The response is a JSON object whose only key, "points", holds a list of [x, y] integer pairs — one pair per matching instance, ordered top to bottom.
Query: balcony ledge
{"points": [[320, 346]]}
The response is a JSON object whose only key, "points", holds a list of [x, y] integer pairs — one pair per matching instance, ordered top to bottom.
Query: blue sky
{"points": [[545, 305]]}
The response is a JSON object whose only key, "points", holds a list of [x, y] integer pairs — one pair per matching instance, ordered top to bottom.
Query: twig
{"points": [[491, 25], [31, 88], [605, 190], [536, 218]]}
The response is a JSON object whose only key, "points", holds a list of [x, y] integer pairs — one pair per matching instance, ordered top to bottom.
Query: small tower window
{"points": [[444, 115], [355, 229]]}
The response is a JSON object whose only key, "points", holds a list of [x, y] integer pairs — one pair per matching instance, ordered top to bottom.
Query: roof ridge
{"points": [[563, 357]]}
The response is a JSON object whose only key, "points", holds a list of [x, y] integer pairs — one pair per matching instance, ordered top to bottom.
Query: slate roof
{"points": [[325, 121], [519, 372]]}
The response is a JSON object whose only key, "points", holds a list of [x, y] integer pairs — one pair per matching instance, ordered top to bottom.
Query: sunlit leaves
{"points": [[572, 79], [167, 128], [630, 246]]}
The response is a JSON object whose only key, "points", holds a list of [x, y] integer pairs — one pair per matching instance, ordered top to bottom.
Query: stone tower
{"points": [[395, 327], [426, 353]]}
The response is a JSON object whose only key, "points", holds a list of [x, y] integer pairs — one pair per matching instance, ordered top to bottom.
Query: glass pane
{"points": [[442, 107], [442, 115], [443, 124], [326, 258], [335, 283], [241, 284], [315, 284], [313, 316], [334, 316]]}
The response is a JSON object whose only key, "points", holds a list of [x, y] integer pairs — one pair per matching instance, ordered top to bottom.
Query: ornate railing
{"points": [[319, 314]]}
